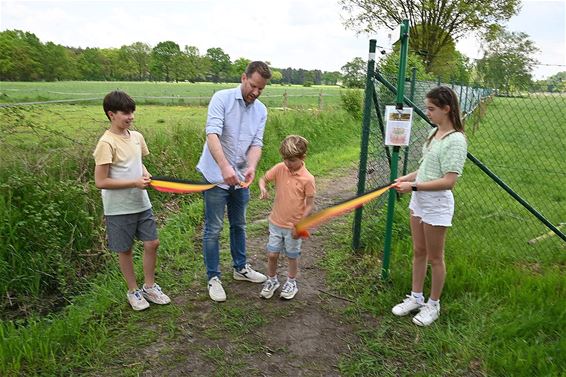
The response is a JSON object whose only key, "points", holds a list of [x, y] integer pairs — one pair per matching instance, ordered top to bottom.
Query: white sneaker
{"points": [[248, 274], [269, 288], [215, 290], [289, 290], [155, 295], [137, 300], [408, 305], [427, 315]]}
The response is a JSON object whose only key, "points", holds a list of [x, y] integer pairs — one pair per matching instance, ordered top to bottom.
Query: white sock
{"points": [[273, 278], [291, 280], [419, 296], [433, 302]]}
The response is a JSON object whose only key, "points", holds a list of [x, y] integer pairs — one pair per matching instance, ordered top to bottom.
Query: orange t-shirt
{"points": [[291, 190]]}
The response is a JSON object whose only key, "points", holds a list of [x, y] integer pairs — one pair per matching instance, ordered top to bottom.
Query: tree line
{"points": [[23, 57]]}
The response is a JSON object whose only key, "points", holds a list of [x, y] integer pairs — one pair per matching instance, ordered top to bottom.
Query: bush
{"points": [[352, 102]]}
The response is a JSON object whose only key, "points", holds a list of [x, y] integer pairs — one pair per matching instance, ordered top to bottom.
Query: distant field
{"points": [[162, 92]]}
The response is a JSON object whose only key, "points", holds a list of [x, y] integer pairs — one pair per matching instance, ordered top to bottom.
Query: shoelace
{"points": [[288, 287]]}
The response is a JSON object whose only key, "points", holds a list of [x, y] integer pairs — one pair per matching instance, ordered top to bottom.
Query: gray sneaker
{"points": [[248, 274], [269, 288], [289, 290]]}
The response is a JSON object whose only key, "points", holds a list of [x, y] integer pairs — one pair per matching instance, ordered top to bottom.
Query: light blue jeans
{"points": [[215, 201]]}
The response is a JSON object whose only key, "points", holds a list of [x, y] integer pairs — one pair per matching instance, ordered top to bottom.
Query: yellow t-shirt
{"points": [[124, 154], [291, 190]]}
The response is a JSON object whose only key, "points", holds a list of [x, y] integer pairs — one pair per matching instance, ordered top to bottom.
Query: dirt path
{"points": [[250, 336]]}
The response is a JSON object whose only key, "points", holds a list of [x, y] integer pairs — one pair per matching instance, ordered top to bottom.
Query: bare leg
{"points": [[435, 237], [419, 253], [149, 261], [126, 262], [272, 264], [293, 268]]}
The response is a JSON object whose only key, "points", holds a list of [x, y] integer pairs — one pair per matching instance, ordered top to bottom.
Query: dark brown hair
{"points": [[259, 67], [443, 96], [118, 101]]}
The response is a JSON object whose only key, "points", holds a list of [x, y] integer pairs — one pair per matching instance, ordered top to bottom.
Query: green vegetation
{"points": [[62, 296]]}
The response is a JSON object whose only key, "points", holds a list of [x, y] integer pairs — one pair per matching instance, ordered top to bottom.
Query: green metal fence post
{"points": [[404, 37], [362, 171]]}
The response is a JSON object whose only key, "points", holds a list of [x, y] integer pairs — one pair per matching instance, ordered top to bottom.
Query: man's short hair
{"points": [[259, 67], [118, 101], [293, 146]]}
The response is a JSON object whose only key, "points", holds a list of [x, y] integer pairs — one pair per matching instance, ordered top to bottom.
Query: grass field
{"points": [[165, 93], [503, 311]]}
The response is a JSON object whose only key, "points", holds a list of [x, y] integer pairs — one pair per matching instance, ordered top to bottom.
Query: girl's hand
{"points": [[403, 187], [263, 194]]}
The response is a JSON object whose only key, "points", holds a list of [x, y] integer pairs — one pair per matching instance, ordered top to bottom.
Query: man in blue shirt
{"points": [[234, 138]]}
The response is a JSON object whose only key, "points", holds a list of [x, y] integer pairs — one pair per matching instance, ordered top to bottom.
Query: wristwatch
{"points": [[414, 186]]}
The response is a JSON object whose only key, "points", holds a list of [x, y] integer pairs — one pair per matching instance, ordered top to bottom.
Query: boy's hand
{"points": [[142, 182], [263, 194]]}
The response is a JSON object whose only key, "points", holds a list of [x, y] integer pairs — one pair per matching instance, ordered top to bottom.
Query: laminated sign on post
{"points": [[398, 125]]}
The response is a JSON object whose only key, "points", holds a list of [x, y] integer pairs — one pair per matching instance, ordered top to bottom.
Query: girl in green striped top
{"points": [[432, 202]]}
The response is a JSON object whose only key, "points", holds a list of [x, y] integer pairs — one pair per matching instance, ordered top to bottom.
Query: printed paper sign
{"points": [[398, 125]]}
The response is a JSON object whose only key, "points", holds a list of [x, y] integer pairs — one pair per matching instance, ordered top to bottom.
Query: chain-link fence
{"points": [[510, 196]]}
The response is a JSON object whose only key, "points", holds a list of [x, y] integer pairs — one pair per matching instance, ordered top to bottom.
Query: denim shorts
{"points": [[433, 207], [121, 230], [280, 240]]}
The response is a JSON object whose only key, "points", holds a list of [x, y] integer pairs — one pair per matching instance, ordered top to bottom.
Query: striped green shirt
{"points": [[443, 156]]}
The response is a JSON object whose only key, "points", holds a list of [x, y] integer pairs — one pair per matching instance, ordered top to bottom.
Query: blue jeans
{"points": [[215, 200]]}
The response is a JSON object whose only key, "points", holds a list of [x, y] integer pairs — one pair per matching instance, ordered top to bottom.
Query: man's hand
{"points": [[229, 175]]}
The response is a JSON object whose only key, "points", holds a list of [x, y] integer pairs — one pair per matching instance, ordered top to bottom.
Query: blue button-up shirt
{"points": [[239, 126]]}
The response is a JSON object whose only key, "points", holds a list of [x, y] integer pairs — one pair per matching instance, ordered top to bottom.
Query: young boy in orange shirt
{"points": [[294, 199]]}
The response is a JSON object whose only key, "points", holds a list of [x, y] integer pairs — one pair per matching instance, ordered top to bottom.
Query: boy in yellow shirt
{"points": [[123, 178], [294, 199]]}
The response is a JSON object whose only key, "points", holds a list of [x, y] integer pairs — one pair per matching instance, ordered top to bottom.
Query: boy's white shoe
{"points": [[248, 274], [269, 288], [215, 290], [289, 290], [155, 295], [137, 301], [408, 305], [427, 314]]}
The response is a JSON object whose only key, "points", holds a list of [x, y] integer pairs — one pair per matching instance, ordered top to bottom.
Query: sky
{"points": [[306, 34]]}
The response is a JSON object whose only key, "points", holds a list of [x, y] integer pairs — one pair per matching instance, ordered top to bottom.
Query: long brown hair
{"points": [[442, 96]]}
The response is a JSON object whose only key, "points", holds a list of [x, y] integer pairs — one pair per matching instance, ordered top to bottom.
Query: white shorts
{"points": [[433, 207]]}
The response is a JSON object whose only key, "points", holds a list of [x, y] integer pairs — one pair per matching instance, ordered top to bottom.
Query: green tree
{"points": [[434, 24], [20, 56], [138, 56], [163, 57], [508, 60], [57, 63], [91, 64], [220, 64], [197, 66], [389, 66], [238, 67], [354, 73], [276, 77], [331, 78], [557, 82]]}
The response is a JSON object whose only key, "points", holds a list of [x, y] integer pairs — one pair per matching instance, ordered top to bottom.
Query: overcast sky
{"points": [[289, 33]]}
